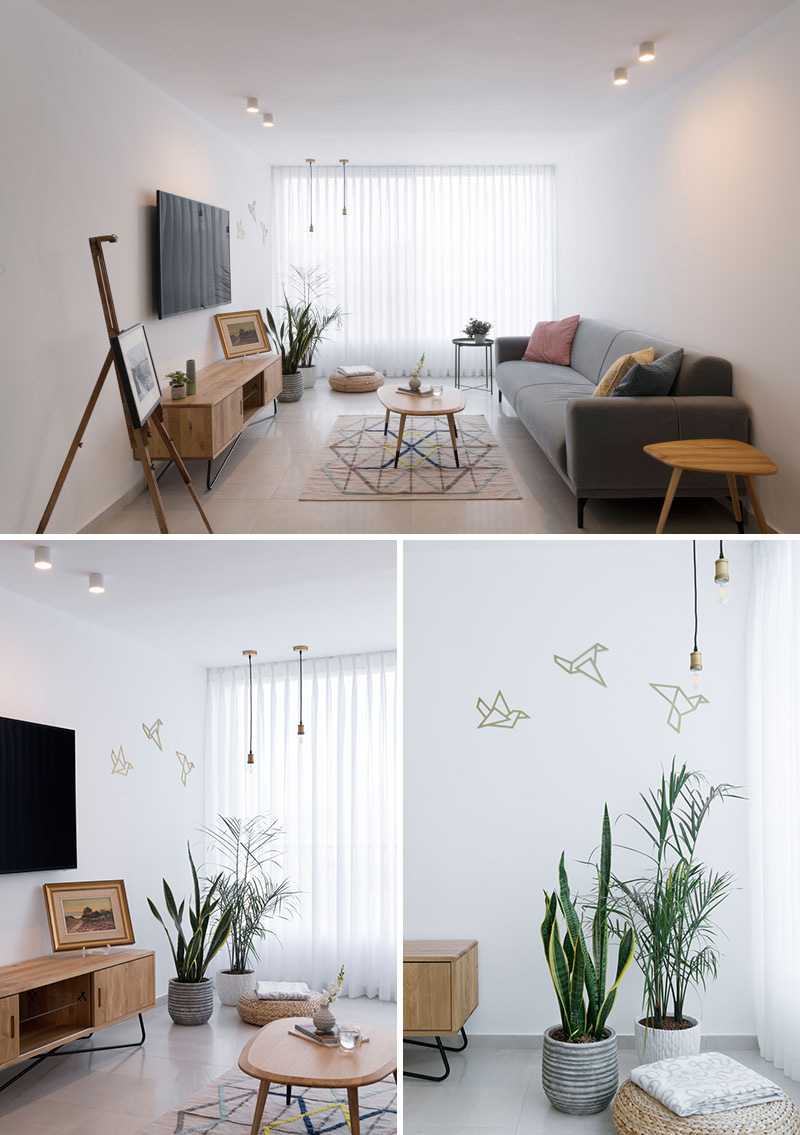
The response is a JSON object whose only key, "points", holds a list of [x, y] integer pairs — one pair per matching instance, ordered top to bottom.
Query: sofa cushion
{"points": [[551, 341], [592, 345], [617, 371], [515, 376], [650, 379], [543, 411]]}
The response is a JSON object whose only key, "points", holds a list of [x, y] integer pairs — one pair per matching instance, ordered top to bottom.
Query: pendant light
{"points": [[344, 162], [310, 195], [722, 579], [695, 657], [300, 727], [251, 760]]}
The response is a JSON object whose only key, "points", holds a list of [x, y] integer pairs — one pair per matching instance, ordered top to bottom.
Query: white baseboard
{"points": [[102, 518], [710, 1043]]}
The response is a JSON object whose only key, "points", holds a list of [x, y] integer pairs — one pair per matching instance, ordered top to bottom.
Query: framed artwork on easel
{"points": [[242, 333], [138, 373]]}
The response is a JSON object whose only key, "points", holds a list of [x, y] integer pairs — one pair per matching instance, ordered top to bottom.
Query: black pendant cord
{"points": [[721, 553], [694, 565], [250, 661]]}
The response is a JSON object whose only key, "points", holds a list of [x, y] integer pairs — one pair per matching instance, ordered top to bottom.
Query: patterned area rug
{"points": [[357, 462], [226, 1108]]}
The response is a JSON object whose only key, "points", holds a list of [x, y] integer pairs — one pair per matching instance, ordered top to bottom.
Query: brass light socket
{"points": [[721, 573], [250, 653], [696, 660], [301, 730], [251, 760]]}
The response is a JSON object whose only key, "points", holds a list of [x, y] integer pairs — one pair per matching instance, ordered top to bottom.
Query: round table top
{"points": [[469, 342], [450, 401], [713, 455], [277, 1054]]}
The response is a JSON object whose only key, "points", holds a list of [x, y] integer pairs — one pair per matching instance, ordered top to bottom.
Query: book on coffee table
{"points": [[423, 392], [310, 1033]]}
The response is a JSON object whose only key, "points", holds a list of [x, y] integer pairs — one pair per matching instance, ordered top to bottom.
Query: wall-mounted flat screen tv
{"points": [[194, 255], [38, 829]]}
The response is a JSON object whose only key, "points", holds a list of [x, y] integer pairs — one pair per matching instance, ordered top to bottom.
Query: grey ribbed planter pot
{"points": [[292, 388], [190, 1002], [580, 1079]]}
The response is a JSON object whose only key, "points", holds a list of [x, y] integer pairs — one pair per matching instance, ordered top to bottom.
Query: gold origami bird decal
{"points": [[585, 663], [679, 703], [498, 715], [154, 731], [119, 763], [186, 766]]}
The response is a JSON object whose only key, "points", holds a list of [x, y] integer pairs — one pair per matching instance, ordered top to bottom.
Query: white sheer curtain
{"points": [[421, 250], [773, 734], [334, 798]]}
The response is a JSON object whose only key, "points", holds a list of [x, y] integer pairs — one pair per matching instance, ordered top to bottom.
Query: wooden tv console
{"points": [[229, 395], [47, 1002]]}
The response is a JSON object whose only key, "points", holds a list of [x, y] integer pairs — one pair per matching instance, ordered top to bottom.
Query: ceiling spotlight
{"points": [[647, 51], [621, 77], [252, 106], [267, 120], [41, 558], [96, 585]]}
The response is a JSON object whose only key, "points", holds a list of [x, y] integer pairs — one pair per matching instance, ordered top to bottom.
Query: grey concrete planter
{"points": [[292, 388], [231, 986], [190, 1002], [666, 1044], [580, 1079]]}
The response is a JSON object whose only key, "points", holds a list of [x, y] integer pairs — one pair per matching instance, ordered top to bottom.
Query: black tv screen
{"points": [[194, 255], [38, 830]]}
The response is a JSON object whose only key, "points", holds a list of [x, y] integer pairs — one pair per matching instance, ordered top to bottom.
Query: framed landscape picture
{"points": [[242, 333], [137, 372], [88, 914]]}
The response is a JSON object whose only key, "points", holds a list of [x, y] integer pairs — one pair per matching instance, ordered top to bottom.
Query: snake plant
{"points": [[294, 336], [573, 968]]}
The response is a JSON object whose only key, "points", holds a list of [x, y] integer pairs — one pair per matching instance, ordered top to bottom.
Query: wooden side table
{"points": [[715, 455], [440, 994]]}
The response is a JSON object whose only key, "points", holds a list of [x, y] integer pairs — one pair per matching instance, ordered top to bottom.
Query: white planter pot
{"points": [[479, 339], [309, 377], [178, 391], [231, 986], [666, 1044], [580, 1079]]}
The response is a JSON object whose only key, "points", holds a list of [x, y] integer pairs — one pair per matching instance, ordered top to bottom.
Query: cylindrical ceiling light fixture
{"points": [[647, 51], [620, 76], [252, 106], [267, 120], [344, 162], [310, 194], [41, 558], [722, 579], [96, 584], [695, 657], [300, 727], [251, 760]]}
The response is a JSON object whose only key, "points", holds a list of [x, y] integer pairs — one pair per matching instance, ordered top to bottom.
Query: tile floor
{"points": [[258, 490], [498, 1091], [120, 1093]]}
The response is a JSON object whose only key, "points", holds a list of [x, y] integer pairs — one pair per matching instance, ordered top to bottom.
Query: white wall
{"points": [[86, 143], [683, 222], [60, 670], [489, 811]]}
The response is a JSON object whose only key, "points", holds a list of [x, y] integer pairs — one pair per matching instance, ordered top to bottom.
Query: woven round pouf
{"points": [[358, 384], [257, 1012], [637, 1113]]}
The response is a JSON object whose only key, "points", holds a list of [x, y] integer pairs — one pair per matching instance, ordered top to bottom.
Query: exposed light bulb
{"points": [[647, 51], [620, 76], [41, 558], [722, 582], [695, 668], [251, 765]]}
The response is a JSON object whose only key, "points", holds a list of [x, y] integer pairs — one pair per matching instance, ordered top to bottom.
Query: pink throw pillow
{"points": [[551, 342]]}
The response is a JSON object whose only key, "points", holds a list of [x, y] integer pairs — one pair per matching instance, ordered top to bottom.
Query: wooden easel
{"points": [[138, 436]]}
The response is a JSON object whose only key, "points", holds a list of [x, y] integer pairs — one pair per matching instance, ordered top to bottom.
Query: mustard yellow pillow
{"points": [[617, 371]]}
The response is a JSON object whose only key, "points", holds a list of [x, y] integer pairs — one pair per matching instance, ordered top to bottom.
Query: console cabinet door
{"points": [[123, 989], [426, 997], [9, 1028]]}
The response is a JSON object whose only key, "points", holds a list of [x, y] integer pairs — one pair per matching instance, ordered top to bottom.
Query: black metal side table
{"points": [[488, 365]]}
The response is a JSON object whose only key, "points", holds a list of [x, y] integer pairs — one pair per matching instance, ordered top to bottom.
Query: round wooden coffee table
{"points": [[449, 403], [715, 455], [273, 1056]]}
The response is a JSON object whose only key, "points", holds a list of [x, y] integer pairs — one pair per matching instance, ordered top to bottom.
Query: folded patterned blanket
{"points": [[354, 372], [282, 991], [704, 1084]]}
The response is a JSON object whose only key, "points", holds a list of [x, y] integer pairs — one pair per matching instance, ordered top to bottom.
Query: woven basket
{"points": [[358, 384], [257, 1012], [637, 1113]]}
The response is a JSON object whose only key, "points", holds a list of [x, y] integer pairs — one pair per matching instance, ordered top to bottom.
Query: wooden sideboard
{"points": [[229, 394], [440, 986], [47, 1002]]}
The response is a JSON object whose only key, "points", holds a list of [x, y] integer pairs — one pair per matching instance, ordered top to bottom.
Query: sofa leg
{"points": [[581, 506]]}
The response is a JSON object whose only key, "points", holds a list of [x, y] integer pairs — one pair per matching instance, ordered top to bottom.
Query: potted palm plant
{"points": [[311, 287], [292, 338], [245, 851], [671, 904], [190, 997], [580, 1067]]}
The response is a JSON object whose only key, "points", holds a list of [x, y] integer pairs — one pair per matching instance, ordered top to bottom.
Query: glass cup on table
{"points": [[437, 389], [349, 1037]]}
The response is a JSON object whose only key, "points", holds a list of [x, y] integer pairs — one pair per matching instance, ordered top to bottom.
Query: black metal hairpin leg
{"points": [[211, 481], [442, 1052], [37, 1060], [288, 1093]]}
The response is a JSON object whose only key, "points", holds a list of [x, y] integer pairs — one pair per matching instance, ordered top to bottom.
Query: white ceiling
{"points": [[449, 80], [207, 601]]}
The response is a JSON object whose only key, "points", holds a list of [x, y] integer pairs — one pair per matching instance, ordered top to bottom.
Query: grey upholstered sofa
{"points": [[596, 443]]}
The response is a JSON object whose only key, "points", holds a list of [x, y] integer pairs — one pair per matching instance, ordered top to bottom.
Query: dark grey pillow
{"points": [[646, 380]]}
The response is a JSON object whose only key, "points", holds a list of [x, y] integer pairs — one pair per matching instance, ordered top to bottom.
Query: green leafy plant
{"points": [[310, 286], [477, 327], [294, 335], [418, 368], [177, 378], [246, 851], [672, 903], [193, 955], [573, 968], [334, 989]]}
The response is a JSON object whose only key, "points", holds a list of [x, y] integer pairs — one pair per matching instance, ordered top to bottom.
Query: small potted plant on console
{"points": [[478, 329], [177, 383]]}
